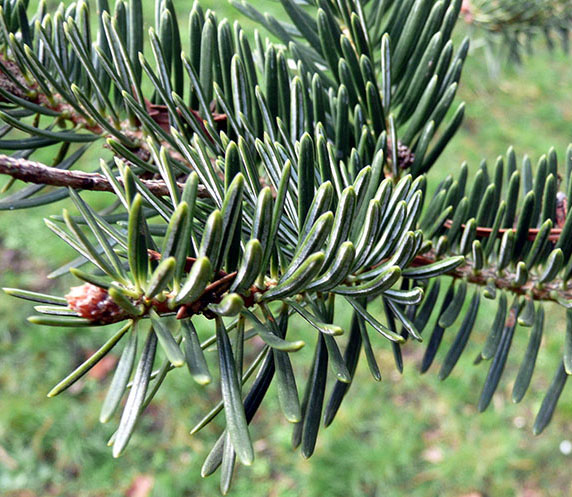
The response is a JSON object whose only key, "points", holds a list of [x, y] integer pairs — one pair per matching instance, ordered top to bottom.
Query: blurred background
{"points": [[408, 435]]}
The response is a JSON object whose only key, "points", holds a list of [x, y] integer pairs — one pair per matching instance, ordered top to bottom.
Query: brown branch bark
{"points": [[159, 113], [38, 173], [487, 232], [543, 292], [102, 310]]}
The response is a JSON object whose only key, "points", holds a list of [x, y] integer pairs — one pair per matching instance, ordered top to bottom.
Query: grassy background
{"points": [[408, 435]]}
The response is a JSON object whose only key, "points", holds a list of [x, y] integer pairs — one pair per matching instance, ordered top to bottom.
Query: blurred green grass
{"points": [[408, 435]]}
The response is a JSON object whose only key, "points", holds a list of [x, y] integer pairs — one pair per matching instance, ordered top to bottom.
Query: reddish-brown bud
{"points": [[94, 303]]}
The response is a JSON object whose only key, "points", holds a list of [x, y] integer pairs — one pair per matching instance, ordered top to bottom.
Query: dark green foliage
{"points": [[509, 28], [257, 183]]}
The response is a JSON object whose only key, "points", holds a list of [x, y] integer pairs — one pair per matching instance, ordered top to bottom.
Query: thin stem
{"points": [[38, 173]]}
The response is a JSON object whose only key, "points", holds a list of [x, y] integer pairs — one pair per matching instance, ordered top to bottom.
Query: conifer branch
{"points": [[300, 151], [40, 174], [491, 276]]}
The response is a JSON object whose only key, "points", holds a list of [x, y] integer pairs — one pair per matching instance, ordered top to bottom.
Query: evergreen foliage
{"points": [[510, 27], [253, 181]]}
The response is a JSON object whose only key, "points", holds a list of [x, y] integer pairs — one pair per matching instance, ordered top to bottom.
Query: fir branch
{"points": [[497, 17], [330, 134], [38, 173], [486, 232], [215, 291], [551, 292]]}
